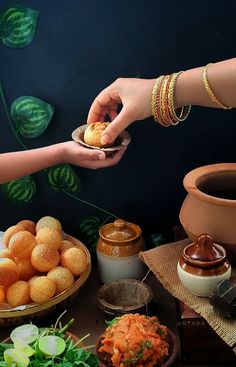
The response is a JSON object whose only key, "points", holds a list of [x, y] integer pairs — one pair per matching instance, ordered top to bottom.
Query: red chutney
{"points": [[135, 340]]}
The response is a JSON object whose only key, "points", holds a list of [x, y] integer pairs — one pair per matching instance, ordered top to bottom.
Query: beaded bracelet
{"points": [[210, 91], [162, 102]]}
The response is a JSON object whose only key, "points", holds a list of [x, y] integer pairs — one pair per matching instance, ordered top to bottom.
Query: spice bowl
{"points": [[124, 296]]}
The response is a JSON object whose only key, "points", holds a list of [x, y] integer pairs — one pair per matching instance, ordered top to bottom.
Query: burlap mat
{"points": [[162, 261]]}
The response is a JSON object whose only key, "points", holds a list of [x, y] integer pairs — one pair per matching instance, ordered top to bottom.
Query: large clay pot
{"points": [[210, 205]]}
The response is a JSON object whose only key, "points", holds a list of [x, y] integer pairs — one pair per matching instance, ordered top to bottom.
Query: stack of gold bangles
{"points": [[162, 103], [163, 109]]}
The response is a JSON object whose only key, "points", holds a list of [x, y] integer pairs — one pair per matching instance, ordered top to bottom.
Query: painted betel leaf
{"points": [[18, 25], [31, 115], [63, 178], [20, 191], [88, 232]]}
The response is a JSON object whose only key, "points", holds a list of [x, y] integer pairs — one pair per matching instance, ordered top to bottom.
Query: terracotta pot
{"points": [[210, 206]]}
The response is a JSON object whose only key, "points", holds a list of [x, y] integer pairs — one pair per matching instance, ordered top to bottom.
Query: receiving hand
{"points": [[89, 158]]}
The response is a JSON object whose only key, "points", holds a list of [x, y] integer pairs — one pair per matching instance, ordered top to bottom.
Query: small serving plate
{"points": [[121, 141]]}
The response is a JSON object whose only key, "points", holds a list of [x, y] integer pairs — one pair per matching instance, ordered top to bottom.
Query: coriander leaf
{"points": [[113, 321]]}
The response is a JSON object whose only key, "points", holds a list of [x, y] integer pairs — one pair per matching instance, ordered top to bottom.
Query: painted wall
{"points": [[81, 46]]}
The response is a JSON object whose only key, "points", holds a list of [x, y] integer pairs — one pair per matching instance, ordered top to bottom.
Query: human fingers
{"points": [[105, 103], [116, 126], [74, 153], [108, 162]]}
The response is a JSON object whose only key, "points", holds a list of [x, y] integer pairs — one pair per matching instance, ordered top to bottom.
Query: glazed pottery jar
{"points": [[210, 205], [117, 251], [203, 265]]}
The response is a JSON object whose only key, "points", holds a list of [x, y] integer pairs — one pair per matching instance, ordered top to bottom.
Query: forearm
{"points": [[190, 90], [18, 164]]}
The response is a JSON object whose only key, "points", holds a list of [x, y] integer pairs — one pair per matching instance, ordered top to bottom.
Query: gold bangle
{"points": [[209, 90], [156, 100], [162, 101], [183, 111]]}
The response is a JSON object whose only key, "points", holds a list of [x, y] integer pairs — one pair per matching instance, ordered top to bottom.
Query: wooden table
{"points": [[89, 319]]}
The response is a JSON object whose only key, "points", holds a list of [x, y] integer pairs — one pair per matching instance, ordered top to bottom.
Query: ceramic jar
{"points": [[210, 205], [118, 251], [203, 265]]}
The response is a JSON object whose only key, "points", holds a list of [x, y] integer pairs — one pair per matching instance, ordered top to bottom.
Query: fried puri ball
{"points": [[93, 134], [48, 221], [28, 225], [10, 232], [51, 236], [21, 244], [65, 244], [6, 253], [44, 257], [75, 260], [26, 269], [9, 272], [62, 277], [30, 281], [42, 289], [18, 293], [2, 296]]}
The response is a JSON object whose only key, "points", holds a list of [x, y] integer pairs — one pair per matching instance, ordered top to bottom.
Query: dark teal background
{"points": [[80, 47]]}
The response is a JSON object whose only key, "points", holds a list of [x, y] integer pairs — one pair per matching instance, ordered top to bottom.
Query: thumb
{"points": [[115, 127]]}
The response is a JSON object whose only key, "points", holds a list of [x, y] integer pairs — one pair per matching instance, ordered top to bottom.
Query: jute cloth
{"points": [[162, 261]]}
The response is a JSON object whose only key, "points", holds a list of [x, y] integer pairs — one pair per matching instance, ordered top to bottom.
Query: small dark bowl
{"points": [[121, 141], [124, 296], [105, 359]]}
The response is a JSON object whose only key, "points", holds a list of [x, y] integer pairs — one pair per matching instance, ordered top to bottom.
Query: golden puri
{"points": [[44, 257]]}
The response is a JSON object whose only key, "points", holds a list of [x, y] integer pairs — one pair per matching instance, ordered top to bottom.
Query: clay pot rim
{"points": [[192, 178]]}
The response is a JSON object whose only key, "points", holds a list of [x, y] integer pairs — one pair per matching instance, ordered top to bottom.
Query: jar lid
{"points": [[120, 231], [204, 250]]}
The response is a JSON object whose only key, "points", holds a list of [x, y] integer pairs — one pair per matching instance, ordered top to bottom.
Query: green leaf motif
{"points": [[18, 25], [31, 115], [63, 178], [20, 191], [89, 232]]}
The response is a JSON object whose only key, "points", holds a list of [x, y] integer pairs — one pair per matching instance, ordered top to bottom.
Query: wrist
{"points": [[62, 151]]}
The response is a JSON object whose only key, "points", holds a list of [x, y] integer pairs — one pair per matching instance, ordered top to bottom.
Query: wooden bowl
{"points": [[121, 141], [124, 296], [61, 301], [105, 360]]}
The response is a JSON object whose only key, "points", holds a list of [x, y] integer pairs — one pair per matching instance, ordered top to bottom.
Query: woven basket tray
{"points": [[60, 302]]}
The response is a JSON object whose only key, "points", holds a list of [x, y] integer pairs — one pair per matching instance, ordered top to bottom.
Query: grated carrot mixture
{"points": [[135, 340]]}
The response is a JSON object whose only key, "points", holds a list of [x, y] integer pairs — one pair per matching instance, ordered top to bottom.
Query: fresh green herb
{"points": [[113, 321], [160, 331], [49, 347], [133, 361]]}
